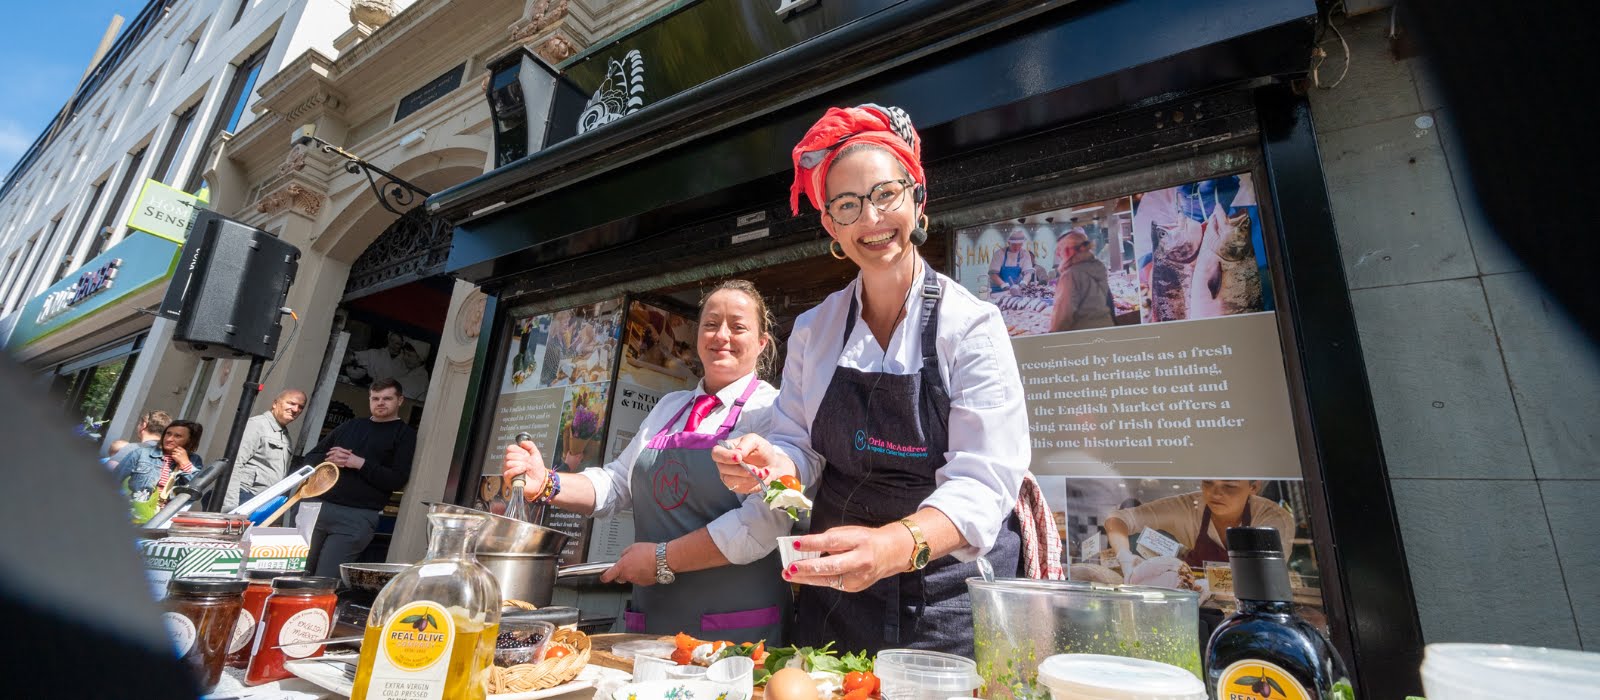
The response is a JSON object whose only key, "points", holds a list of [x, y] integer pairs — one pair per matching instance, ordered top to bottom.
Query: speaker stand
{"points": [[241, 416]]}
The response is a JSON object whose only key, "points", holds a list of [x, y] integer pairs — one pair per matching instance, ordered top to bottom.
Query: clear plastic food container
{"points": [[912, 674]]}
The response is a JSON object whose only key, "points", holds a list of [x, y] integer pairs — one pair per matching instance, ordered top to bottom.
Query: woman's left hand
{"points": [[857, 557], [637, 565]]}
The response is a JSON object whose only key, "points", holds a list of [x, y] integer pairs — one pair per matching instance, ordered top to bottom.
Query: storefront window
{"points": [[90, 387]]}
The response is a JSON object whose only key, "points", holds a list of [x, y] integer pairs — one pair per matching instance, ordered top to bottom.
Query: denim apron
{"points": [[884, 435], [677, 490]]}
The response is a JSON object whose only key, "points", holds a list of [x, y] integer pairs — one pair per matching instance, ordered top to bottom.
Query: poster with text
{"points": [[1154, 376], [555, 387]]}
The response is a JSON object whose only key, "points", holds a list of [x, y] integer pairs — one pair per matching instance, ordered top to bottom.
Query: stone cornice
{"points": [[294, 197]]}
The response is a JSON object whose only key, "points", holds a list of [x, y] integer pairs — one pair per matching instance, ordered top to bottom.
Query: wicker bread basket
{"points": [[548, 673]]}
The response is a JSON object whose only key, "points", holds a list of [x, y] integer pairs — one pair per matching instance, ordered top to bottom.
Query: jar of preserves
{"points": [[205, 544], [255, 601], [300, 609], [200, 615]]}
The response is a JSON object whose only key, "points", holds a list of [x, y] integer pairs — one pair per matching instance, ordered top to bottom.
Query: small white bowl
{"points": [[789, 555]]}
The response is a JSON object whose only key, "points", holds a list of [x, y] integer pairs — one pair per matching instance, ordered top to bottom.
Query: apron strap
{"points": [[931, 294], [738, 407]]}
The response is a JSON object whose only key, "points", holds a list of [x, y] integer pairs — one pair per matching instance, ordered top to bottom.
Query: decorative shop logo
{"points": [[619, 95], [89, 284], [885, 447]]}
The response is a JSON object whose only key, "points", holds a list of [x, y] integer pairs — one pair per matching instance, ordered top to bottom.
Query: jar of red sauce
{"points": [[255, 601], [300, 609], [200, 615]]}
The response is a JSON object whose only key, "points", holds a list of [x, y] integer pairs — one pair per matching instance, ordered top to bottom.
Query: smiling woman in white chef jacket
{"points": [[905, 386], [703, 560]]}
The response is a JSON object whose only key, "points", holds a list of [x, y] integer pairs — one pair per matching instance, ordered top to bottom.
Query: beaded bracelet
{"points": [[552, 486]]}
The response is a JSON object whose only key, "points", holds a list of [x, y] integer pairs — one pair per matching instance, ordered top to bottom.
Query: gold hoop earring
{"points": [[836, 250]]}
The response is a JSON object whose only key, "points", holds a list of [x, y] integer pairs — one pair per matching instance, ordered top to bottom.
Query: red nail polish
{"points": [[793, 568]]}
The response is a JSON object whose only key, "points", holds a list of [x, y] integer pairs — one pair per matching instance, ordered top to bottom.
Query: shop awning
{"points": [[970, 73]]}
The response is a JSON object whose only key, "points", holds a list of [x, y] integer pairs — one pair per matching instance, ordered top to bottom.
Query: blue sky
{"points": [[49, 47]]}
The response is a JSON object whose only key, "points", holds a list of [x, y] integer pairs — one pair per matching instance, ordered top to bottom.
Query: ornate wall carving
{"points": [[539, 16], [291, 196]]}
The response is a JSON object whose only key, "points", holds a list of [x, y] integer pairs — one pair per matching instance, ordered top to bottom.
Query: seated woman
{"points": [[147, 476], [703, 561]]}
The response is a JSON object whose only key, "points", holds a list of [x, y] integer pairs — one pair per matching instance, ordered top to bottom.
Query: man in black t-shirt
{"points": [[374, 458]]}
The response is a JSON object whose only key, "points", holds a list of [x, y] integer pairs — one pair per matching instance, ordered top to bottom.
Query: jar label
{"points": [[303, 626], [182, 632], [244, 632], [414, 653], [1252, 679]]}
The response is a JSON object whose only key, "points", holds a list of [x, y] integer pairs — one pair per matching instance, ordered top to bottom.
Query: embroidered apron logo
{"points": [[886, 447], [671, 484]]}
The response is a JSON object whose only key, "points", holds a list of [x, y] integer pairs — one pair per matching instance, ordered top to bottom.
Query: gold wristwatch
{"points": [[920, 552]]}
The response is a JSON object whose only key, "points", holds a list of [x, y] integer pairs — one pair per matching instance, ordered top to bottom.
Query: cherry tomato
{"points": [[791, 482], [557, 652], [861, 679], [862, 693]]}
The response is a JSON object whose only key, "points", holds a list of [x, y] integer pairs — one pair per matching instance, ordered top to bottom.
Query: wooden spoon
{"points": [[325, 476]]}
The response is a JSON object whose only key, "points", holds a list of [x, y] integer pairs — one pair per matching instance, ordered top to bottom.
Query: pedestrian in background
{"points": [[264, 449]]}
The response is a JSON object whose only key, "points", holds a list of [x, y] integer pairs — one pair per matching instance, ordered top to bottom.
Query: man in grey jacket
{"points": [[264, 451]]}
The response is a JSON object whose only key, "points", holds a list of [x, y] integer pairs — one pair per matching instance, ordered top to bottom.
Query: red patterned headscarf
{"points": [[888, 127]]}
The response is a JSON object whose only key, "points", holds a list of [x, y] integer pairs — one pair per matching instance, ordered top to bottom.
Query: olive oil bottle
{"points": [[431, 634], [1263, 651]]}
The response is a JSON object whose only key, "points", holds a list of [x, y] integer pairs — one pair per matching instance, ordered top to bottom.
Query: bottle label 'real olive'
{"points": [[414, 653], [1258, 680]]}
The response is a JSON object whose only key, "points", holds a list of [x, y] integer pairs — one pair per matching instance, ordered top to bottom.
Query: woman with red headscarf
{"points": [[904, 386]]}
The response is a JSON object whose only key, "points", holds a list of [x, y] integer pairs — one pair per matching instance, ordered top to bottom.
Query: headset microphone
{"points": [[919, 235]]}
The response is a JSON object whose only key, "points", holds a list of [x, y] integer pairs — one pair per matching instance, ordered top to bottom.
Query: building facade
{"points": [[75, 281]]}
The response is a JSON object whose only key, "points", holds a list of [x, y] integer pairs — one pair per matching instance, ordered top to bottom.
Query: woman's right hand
{"points": [[752, 451], [523, 459]]}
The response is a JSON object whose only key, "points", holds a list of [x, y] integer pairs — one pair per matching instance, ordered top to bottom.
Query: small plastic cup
{"points": [[789, 555], [521, 641], [650, 668], [1483, 671], [691, 673], [737, 674], [913, 674], [1100, 677]]}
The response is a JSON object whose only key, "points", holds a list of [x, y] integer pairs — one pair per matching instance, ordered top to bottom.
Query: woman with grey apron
{"points": [[904, 385], [704, 559]]}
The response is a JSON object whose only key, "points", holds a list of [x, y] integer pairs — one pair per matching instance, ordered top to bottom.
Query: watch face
{"points": [[922, 556], [665, 577]]}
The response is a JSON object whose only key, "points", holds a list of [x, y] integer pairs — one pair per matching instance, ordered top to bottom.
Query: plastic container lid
{"points": [[267, 575], [927, 670], [1472, 671], [1100, 677]]}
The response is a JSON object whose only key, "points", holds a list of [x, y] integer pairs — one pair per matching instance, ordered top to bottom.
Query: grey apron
{"points": [[884, 435], [677, 490]]}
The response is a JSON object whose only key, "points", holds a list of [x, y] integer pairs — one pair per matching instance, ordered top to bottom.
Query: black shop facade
{"points": [[1174, 137]]}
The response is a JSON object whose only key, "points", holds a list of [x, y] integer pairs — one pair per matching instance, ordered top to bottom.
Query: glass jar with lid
{"points": [[211, 526], [255, 603], [300, 609], [200, 615]]}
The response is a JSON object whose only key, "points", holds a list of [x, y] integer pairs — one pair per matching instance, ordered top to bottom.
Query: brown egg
{"points": [[791, 684]]}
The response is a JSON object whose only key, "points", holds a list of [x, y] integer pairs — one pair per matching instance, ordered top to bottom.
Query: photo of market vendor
{"points": [[1012, 265], [1083, 291], [900, 411], [1198, 520], [704, 559]]}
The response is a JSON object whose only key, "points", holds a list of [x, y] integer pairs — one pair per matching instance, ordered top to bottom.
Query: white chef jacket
{"points": [[989, 449], [743, 535]]}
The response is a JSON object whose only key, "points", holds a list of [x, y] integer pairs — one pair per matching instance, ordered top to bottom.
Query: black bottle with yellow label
{"points": [[1263, 651]]}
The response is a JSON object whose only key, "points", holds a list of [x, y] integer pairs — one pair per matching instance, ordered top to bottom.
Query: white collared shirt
{"points": [[989, 449], [743, 535]]}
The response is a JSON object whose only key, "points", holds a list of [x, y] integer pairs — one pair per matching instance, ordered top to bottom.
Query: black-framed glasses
{"points": [[885, 196]]}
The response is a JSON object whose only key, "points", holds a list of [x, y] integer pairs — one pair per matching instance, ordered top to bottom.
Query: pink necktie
{"points": [[703, 406]]}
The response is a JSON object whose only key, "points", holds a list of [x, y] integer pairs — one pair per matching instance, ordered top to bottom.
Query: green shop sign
{"points": [[165, 211], [138, 262]]}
